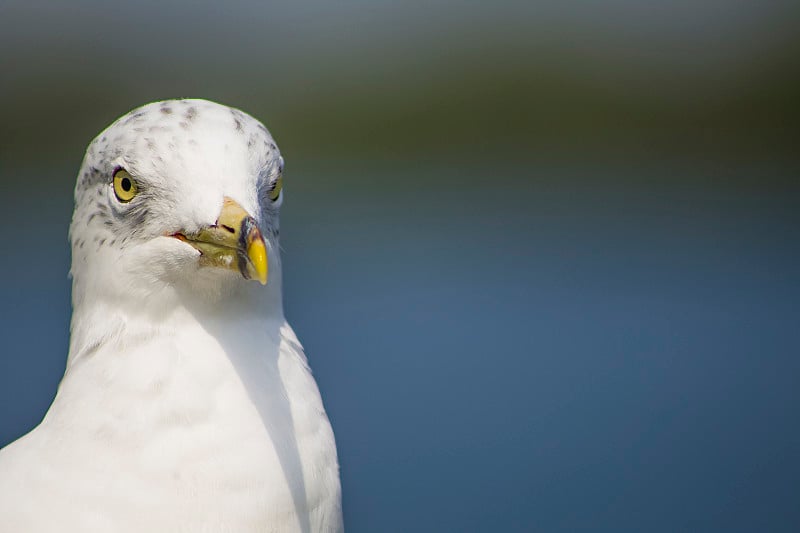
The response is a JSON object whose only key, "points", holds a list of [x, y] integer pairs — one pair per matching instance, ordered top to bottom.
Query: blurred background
{"points": [[543, 256]]}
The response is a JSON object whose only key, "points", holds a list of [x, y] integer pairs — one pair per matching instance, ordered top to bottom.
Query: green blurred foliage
{"points": [[412, 83]]}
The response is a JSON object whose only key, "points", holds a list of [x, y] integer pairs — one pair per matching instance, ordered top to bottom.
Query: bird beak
{"points": [[234, 243]]}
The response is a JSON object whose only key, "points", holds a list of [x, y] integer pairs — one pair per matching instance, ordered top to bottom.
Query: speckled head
{"points": [[154, 189]]}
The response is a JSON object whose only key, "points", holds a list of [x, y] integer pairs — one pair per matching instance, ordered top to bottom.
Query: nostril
{"points": [[230, 229]]}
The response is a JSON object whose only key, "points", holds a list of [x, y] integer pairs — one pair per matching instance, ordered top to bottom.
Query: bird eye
{"points": [[124, 186], [276, 189]]}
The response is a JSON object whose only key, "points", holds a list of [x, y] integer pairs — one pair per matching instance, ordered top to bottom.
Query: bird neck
{"points": [[103, 311]]}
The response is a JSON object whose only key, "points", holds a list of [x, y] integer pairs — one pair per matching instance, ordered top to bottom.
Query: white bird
{"points": [[187, 403]]}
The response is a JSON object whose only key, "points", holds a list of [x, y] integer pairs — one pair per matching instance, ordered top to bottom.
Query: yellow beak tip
{"points": [[257, 253]]}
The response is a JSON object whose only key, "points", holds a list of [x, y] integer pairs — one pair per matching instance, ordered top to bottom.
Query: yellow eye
{"points": [[124, 186], [276, 189]]}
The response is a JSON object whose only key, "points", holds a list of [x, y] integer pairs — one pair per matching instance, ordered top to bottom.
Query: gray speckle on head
{"points": [[191, 113], [135, 117], [238, 119], [139, 216]]}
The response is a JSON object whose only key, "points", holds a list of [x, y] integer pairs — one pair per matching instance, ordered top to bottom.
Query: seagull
{"points": [[187, 403]]}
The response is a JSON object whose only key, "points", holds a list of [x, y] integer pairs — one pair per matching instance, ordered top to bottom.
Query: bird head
{"points": [[177, 196]]}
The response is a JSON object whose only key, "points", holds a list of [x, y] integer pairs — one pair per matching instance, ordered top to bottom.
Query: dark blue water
{"points": [[513, 349]]}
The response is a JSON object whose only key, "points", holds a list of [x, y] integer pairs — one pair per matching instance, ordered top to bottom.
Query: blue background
{"points": [[543, 257]]}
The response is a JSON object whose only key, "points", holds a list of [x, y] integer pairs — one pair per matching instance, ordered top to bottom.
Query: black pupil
{"points": [[126, 184]]}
